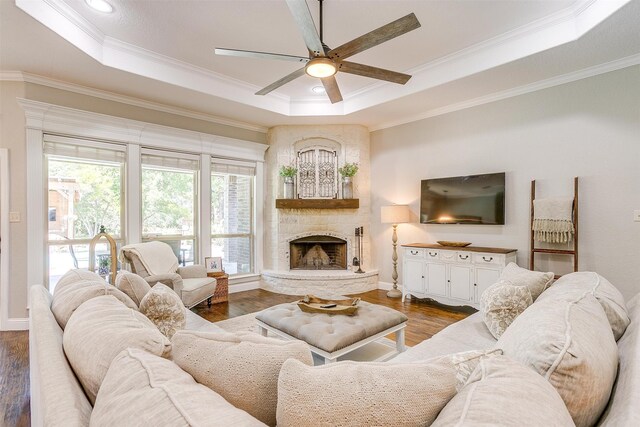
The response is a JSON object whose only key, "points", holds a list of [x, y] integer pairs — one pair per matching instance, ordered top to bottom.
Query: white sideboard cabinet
{"points": [[451, 275]]}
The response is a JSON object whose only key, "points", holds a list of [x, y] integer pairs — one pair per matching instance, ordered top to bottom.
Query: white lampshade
{"points": [[395, 214]]}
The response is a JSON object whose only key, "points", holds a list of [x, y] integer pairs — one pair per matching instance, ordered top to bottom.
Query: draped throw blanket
{"points": [[553, 220], [157, 257]]}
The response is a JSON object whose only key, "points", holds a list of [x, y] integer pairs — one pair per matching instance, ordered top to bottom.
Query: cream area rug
{"points": [[382, 349]]}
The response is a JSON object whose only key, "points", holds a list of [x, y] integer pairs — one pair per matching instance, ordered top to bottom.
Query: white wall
{"points": [[589, 128]]}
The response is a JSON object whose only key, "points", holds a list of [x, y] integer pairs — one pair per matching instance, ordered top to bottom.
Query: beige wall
{"points": [[589, 128], [12, 133]]}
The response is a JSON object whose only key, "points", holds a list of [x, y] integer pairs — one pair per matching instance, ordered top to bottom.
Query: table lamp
{"points": [[394, 214]]}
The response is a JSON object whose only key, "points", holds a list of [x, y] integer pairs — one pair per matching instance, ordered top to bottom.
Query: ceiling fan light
{"points": [[321, 67]]}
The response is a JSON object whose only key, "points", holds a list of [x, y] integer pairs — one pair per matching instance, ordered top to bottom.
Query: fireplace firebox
{"points": [[318, 253]]}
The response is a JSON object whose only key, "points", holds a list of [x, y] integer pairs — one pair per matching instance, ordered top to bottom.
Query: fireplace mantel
{"points": [[317, 203]]}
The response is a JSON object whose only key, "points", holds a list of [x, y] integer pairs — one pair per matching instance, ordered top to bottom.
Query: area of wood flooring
{"points": [[425, 319]]}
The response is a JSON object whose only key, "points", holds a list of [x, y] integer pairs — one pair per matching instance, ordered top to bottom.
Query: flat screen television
{"points": [[474, 199]]}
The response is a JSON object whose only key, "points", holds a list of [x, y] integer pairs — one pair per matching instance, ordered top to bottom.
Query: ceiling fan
{"points": [[324, 62]]}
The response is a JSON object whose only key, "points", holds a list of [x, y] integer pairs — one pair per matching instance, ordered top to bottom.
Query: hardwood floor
{"points": [[425, 319], [14, 379]]}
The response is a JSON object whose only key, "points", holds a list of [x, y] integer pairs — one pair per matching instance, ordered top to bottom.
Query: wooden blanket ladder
{"points": [[570, 252]]}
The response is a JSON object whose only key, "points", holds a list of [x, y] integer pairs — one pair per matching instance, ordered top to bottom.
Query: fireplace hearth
{"points": [[318, 253]]}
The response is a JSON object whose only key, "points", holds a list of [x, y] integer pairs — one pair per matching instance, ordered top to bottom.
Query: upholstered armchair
{"points": [[155, 262]]}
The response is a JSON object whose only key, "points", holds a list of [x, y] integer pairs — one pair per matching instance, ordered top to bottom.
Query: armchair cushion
{"points": [[192, 272], [197, 290]]}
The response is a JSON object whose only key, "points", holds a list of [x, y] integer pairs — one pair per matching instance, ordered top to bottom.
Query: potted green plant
{"points": [[347, 171], [288, 172]]}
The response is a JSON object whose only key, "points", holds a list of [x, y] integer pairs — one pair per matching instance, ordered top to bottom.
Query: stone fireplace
{"points": [[310, 250], [318, 252]]}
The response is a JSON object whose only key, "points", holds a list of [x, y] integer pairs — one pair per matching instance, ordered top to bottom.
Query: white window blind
{"points": [[75, 148], [170, 160], [233, 167]]}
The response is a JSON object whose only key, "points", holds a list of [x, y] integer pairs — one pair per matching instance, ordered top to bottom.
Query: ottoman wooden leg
{"points": [[209, 302], [263, 331], [400, 341]]}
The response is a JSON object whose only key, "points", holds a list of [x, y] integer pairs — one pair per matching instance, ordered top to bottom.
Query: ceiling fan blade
{"points": [[301, 14], [376, 37], [259, 55], [373, 72], [286, 79], [331, 87]]}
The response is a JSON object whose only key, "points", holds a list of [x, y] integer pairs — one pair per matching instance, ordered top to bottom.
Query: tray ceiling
{"points": [[463, 51]]}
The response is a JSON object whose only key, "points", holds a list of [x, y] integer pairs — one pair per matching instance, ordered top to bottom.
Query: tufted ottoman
{"points": [[332, 336]]}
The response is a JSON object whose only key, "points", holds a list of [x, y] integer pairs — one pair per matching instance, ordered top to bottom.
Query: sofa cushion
{"points": [[76, 275], [535, 281], [133, 285], [197, 290], [68, 298], [610, 298], [501, 303], [165, 309], [100, 329], [467, 334], [570, 344], [242, 368], [141, 389], [55, 390], [502, 392], [363, 393], [623, 405]]}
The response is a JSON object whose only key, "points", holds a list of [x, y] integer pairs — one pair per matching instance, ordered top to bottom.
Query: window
{"points": [[317, 174], [84, 192], [169, 201], [232, 216]]}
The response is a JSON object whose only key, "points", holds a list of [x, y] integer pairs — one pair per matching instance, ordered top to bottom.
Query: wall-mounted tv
{"points": [[474, 199]]}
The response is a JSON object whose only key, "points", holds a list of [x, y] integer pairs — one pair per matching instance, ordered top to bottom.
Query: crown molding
{"points": [[554, 30], [628, 61], [20, 76], [53, 118]]}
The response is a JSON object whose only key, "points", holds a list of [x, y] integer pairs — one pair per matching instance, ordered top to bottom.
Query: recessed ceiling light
{"points": [[100, 5], [318, 89]]}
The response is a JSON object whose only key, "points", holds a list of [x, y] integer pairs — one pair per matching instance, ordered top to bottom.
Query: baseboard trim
{"points": [[387, 286], [241, 287], [16, 324]]}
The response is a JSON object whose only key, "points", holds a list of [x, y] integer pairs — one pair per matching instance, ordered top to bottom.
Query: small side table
{"points": [[222, 287]]}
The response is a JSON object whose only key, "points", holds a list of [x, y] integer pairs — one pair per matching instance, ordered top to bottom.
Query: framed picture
{"points": [[213, 264]]}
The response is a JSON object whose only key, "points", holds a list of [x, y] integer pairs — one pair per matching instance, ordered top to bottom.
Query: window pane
{"points": [[82, 196], [168, 202], [231, 204], [235, 253], [64, 257]]}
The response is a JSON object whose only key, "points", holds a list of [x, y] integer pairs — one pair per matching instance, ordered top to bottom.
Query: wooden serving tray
{"points": [[312, 304]]}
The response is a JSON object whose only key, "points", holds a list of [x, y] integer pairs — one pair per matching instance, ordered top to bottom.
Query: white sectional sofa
{"points": [[58, 399]]}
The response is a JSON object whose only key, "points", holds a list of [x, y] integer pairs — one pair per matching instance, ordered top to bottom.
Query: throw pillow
{"points": [[76, 275], [536, 281], [132, 285], [68, 298], [610, 298], [501, 303], [165, 309], [100, 329], [569, 343], [242, 368], [141, 389], [502, 392], [366, 393]]}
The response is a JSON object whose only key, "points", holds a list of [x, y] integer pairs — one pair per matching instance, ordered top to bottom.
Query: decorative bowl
{"points": [[453, 244]]}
